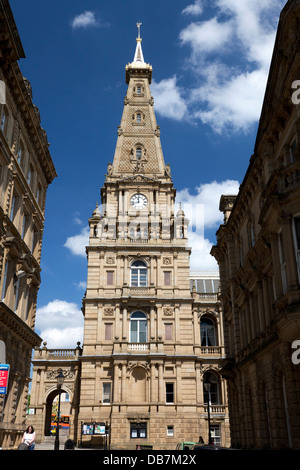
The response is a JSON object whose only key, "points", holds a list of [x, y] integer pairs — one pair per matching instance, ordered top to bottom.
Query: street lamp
{"points": [[60, 381], [207, 386]]}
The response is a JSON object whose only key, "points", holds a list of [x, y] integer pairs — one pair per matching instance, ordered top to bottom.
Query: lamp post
{"points": [[60, 381], [207, 386]]}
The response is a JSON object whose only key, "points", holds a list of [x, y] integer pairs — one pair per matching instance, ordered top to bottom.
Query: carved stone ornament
{"points": [[110, 260], [167, 260], [109, 311], [168, 311], [52, 374]]}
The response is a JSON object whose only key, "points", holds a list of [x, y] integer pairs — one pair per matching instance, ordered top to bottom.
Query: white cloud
{"points": [[195, 8], [84, 20], [207, 36], [229, 58], [168, 98], [233, 105], [202, 210], [77, 243], [201, 259], [81, 285], [60, 324]]}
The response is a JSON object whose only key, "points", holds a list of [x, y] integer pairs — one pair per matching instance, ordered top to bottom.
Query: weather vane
{"points": [[139, 29]]}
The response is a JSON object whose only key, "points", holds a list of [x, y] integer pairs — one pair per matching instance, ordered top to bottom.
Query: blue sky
{"points": [[210, 63]]}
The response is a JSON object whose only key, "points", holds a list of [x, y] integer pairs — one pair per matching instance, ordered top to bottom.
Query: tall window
{"points": [[3, 120], [293, 150], [20, 153], [138, 153], [297, 241], [282, 260], [138, 276], [109, 278], [167, 278], [4, 280], [138, 328], [108, 331], [168, 331], [208, 332], [214, 388], [106, 393], [169, 393]]}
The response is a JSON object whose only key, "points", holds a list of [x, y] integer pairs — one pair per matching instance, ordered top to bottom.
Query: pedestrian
{"points": [[29, 437], [201, 441]]}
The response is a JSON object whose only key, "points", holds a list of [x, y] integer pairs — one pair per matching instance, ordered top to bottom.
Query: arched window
{"points": [[139, 90], [138, 117], [4, 119], [20, 153], [138, 153], [138, 275], [138, 327], [208, 332], [212, 392]]}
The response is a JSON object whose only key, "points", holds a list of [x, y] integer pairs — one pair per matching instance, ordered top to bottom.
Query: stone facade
{"points": [[26, 170], [258, 254], [142, 364]]}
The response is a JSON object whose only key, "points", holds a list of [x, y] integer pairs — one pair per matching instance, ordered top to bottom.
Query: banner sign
{"points": [[4, 371]]}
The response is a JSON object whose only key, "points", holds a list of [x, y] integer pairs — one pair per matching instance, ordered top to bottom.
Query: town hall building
{"points": [[151, 338]]}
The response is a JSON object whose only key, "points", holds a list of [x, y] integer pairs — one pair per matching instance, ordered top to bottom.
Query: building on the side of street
{"points": [[26, 170], [257, 249], [152, 329], [143, 366]]}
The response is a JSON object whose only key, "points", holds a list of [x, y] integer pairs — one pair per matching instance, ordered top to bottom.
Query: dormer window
{"points": [[139, 90], [138, 117]]}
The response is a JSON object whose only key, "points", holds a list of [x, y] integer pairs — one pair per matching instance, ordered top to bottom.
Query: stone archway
{"points": [[46, 365], [65, 408]]}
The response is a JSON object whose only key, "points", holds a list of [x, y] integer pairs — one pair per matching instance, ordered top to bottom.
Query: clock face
{"points": [[138, 201]]}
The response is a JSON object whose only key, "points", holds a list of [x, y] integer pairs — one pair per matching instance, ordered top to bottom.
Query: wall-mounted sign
{"points": [[4, 372]]}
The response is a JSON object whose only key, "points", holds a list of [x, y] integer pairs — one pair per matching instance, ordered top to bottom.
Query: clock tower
{"points": [[140, 361]]}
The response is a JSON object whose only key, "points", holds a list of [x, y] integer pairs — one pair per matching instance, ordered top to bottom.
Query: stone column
{"points": [[124, 325], [116, 383], [160, 383]]}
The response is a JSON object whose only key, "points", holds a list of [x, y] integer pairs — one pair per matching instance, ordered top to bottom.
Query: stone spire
{"points": [[138, 66], [138, 150]]}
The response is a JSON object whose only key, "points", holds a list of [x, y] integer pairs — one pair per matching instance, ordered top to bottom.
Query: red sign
{"points": [[4, 371]]}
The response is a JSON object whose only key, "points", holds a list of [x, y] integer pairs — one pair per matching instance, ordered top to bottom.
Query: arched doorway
{"points": [[51, 413]]}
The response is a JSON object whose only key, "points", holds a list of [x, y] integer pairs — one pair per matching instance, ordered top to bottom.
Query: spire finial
{"points": [[139, 24]]}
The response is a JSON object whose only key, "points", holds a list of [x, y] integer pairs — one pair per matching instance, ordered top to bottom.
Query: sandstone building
{"points": [[26, 170], [258, 250], [152, 334]]}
